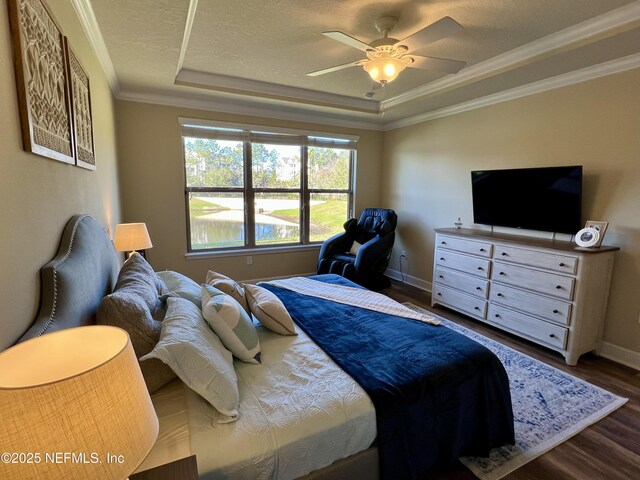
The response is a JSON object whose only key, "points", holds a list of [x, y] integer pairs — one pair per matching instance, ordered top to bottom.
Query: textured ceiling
{"points": [[249, 50]]}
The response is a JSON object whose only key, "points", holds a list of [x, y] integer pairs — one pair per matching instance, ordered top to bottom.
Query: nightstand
{"points": [[183, 469]]}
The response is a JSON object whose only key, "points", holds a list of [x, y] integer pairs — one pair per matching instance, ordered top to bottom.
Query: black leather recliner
{"points": [[365, 265]]}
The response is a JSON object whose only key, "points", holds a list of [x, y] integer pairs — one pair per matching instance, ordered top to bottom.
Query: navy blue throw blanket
{"points": [[438, 395]]}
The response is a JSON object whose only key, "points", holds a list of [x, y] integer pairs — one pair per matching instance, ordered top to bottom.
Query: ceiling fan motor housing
{"points": [[385, 24]]}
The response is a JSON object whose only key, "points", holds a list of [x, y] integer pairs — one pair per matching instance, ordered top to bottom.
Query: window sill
{"points": [[252, 251]]}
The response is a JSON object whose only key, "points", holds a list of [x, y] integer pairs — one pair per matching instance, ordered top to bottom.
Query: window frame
{"points": [[248, 135]]}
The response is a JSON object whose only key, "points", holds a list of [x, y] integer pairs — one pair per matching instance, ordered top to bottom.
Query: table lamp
{"points": [[131, 237], [74, 405]]}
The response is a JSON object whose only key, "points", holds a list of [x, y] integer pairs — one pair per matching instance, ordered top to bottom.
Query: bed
{"points": [[301, 414]]}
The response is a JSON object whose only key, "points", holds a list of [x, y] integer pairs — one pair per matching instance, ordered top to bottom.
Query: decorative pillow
{"points": [[354, 248], [137, 276], [178, 285], [228, 286], [134, 306], [269, 310], [231, 323], [197, 356]]}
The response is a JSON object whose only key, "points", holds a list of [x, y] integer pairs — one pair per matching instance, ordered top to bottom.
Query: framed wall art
{"points": [[41, 80], [82, 120]]}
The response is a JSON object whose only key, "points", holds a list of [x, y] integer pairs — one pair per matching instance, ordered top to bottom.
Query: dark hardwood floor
{"points": [[609, 449]]}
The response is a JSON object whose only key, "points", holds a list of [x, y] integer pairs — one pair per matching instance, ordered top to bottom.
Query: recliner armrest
{"points": [[340, 242], [371, 252]]}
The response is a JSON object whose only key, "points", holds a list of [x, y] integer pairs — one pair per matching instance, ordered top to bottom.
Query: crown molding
{"points": [[191, 16], [87, 18], [571, 37], [577, 76], [244, 86], [251, 109]]}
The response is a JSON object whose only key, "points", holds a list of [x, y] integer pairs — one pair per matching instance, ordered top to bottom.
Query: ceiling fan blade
{"points": [[442, 28], [347, 40], [441, 64], [333, 69]]}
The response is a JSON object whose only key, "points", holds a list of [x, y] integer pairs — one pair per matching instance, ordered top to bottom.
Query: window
{"points": [[250, 188]]}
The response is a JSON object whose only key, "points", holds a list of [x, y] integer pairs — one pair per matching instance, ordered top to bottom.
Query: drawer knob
{"points": [[443, 242], [482, 250], [504, 254], [442, 258], [561, 264], [480, 268], [502, 273], [440, 276], [558, 287], [478, 288], [439, 294], [499, 294], [477, 308], [555, 311], [497, 315], [551, 335]]}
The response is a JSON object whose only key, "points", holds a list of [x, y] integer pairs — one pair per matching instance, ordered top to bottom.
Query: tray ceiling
{"points": [[254, 55]]}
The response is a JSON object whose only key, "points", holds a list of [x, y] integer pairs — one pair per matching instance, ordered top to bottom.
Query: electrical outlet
{"points": [[249, 260]]}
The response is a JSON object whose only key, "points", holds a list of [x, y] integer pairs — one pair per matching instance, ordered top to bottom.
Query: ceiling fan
{"points": [[387, 57]]}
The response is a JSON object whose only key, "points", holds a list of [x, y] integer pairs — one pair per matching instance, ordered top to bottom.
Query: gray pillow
{"points": [[137, 276], [135, 307]]}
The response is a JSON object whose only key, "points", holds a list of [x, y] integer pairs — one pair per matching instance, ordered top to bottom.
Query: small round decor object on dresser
{"points": [[587, 237]]}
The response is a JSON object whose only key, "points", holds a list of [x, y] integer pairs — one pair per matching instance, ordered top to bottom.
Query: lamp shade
{"points": [[131, 237], [74, 405]]}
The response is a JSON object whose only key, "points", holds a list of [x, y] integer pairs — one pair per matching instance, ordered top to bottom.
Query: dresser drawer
{"points": [[482, 249], [548, 261], [464, 263], [461, 281], [549, 283], [473, 306], [545, 307], [534, 328]]}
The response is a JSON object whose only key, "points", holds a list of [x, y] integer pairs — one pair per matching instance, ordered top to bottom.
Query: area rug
{"points": [[549, 406]]}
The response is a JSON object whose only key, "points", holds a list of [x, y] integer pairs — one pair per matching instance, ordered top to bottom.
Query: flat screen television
{"points": [[545, 198]]}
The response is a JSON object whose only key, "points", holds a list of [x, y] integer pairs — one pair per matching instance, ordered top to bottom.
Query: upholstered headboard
{"points": [[83, 271]]}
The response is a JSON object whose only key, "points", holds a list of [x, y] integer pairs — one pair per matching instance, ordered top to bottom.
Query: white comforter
{"points": [[298, 412]]}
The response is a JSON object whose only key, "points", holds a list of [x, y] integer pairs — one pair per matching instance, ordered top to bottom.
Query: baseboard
{"points": [[408, 279], [620, 355]]}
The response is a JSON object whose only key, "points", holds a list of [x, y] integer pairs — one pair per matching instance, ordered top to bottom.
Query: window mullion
{"points": [[352, 181], [249, 198], [305, 223]]}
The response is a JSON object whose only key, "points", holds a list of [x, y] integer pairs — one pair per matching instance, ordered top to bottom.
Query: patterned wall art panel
{"points": [[41, 79], [80, 111]]}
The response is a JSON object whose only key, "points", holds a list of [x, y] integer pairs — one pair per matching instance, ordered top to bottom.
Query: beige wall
{"points": [[595, 124], [152, 186], [39, 195]]}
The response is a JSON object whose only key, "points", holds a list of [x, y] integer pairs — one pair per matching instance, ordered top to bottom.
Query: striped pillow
{"points": [[231, 323]]}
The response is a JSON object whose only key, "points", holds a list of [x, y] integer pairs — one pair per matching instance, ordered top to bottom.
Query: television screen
{"points": [[547, 198]]}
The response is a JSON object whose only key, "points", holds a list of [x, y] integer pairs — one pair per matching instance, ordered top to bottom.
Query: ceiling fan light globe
{"points": [[385, 69]]}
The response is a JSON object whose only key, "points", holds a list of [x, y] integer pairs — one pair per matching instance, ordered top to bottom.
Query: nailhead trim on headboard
{"points": [[55, 276]]}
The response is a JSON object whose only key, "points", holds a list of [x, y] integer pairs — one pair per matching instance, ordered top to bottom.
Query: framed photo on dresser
{"points": [[600, 227]]}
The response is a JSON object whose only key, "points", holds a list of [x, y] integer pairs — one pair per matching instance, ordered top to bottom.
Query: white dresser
{"points": [[550, 292]]}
